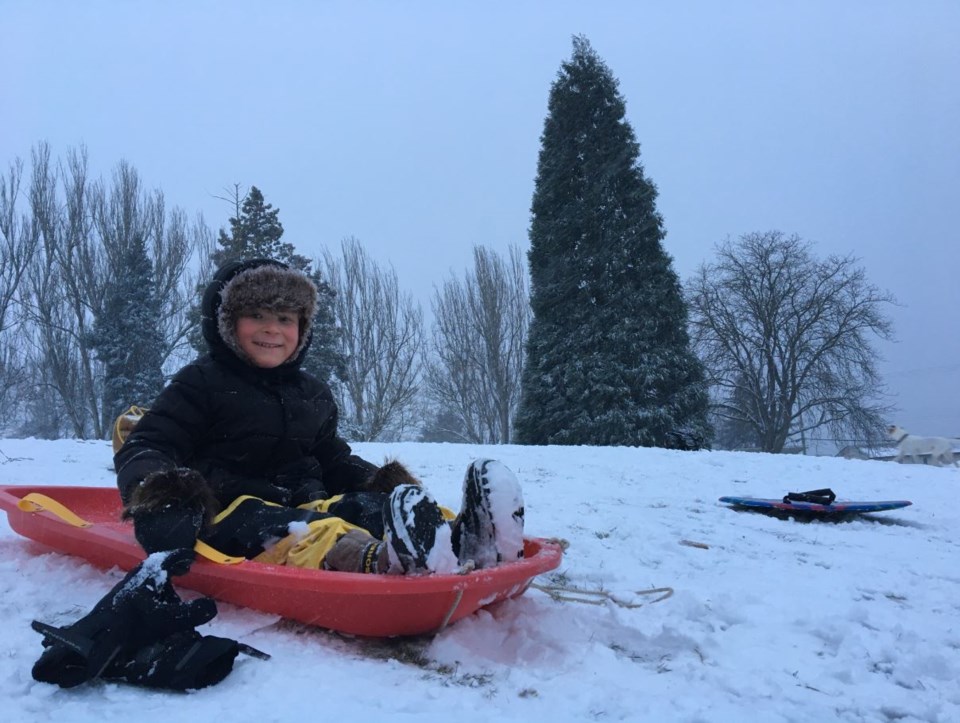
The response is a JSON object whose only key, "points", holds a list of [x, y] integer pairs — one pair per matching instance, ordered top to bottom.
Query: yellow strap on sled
{"points": [[36, 502], [214, 555]]}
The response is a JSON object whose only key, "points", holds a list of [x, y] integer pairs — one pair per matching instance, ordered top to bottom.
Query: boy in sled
{"points": [[241, 450]]}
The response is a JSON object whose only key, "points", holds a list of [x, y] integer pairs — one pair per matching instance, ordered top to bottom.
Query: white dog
{"points": [[909, 445]]}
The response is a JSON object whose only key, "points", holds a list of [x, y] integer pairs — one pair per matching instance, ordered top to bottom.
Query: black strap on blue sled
{"points": [[820, 497]]}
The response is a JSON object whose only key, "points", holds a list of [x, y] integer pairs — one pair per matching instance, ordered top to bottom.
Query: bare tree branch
{"points": [[81, 232], [17, 246], [479, 333], [382, 336], [786, 339]]}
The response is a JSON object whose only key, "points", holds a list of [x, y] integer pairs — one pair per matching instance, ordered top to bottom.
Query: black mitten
{"points": [[304, 479], [263, 490], [310, 491], [169, 509], [363, 509], [167, 529], [141, 619], [78, 652], [184, 661]]}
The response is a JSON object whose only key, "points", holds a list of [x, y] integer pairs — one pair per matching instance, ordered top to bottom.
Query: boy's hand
{"points": [[265, 491], [312, 491], [169, 508], [170, 528]]}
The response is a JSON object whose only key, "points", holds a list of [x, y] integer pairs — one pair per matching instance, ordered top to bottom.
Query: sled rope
{"points": [[36, 502], [564, 544], [562, 593], [451, 611]]}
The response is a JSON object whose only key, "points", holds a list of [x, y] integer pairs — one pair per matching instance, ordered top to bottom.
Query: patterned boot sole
{"points": [[489, 528], [418, 538]]}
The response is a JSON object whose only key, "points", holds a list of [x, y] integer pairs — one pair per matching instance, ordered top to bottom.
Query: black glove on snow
{"points": [[169, 509], [140, 632], [183, 661]]}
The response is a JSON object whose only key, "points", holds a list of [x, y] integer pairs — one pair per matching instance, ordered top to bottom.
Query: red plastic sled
{"points": [[370, 605]]}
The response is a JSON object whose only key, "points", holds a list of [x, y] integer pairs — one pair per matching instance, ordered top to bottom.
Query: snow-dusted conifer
{"points": [[255, 232], [126, 336], [608, 354]]}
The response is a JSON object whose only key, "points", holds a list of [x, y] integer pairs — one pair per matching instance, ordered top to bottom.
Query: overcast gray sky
{"points": [[414, 126]]}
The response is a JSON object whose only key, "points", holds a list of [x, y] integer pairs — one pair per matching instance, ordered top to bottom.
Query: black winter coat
{"points": [[270, 433]]}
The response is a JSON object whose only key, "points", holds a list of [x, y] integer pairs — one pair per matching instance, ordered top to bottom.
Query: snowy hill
{"points": [[771, 620]]}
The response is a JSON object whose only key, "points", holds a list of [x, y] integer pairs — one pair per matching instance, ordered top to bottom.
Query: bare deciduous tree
{"points": [[83, 232], [17, 245], [180, 251], [181, 265], [65, 283], [479, 333], [381, 339], [786, 339]]}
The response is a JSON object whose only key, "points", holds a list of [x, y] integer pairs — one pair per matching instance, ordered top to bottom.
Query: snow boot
{"points": [[489, 528], [417, 535]]}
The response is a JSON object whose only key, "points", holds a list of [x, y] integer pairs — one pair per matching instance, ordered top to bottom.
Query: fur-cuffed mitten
{"points": [[389, 476], [170, 508]]}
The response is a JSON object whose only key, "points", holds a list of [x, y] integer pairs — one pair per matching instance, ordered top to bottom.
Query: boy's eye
{"points": [[285, 319]]}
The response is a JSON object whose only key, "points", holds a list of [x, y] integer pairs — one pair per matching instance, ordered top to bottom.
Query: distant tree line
{"points": [[95, 281], [99, 303], [592, 341]]}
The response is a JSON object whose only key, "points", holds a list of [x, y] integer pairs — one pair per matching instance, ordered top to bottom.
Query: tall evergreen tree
{"points": [[255, 233], [126, 335], [608, 353]]}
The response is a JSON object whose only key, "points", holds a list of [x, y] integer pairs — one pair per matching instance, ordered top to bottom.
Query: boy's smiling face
{"points": [[268, 338]]}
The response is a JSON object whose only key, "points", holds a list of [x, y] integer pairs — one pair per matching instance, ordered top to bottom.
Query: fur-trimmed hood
{"points": [[243, 286]]}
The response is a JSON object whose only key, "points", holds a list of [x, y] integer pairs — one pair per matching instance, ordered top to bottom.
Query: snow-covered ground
{"points": [[771, 620]]}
